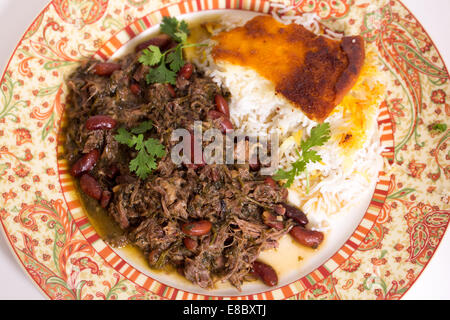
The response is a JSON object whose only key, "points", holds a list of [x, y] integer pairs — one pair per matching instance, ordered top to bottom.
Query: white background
{"points": [[16, 16]]}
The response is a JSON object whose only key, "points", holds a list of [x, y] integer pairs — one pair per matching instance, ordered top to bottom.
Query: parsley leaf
{"points": [[169, 26], [184, 27], [179, 31], [182, 36], [151, 56], [175, 59], [165, 66], [161, 75], [143, 127], [319, 136], [124, 137], [138, 142], [154, 147], [148, 150], [311, 156], [143, 165], [284, 175]]}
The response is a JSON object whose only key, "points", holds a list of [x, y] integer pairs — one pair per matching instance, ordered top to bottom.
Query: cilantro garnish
{"points": [[178, 30], [151, 56], [175, 59], [166, 65], [143, 127], [319, 136], [148, 150]]}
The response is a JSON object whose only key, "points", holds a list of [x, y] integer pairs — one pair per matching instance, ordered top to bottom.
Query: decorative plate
{"points": [[58, 247]]}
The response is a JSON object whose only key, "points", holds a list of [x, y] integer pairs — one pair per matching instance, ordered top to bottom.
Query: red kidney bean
{"points": [[160, 41], [171, 45], [106, 68], [186, 71], [135, 88], [171, 90], [222, 105], [214, 115], [100, 122], [225, 123], [191, 146], [85, 163], [254, 163], [198, 165], [195, 166], [113, 172], [124, 179], [270, 182], [91, 187], [284, 194], [105, 199], [279, 209], [296, 214], [271, 221], [198, 228], [308, 238], [190, 243], [153, 257], [180, 271], [266, 273], [253, 274]]}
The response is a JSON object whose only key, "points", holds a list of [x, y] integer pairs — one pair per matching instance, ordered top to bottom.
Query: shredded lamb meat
{"points": [[152, 212]]}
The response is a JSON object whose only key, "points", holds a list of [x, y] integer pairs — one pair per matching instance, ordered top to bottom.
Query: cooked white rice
{"points": [[339, 181]]}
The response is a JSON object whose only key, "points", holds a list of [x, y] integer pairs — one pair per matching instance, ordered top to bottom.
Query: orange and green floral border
{"points": [[50, 234]]}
